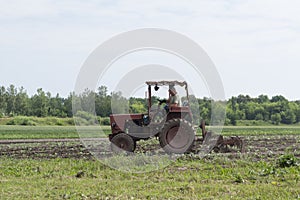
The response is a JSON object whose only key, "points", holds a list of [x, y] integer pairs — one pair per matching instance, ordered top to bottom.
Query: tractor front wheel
{"points": [[177, 136], [122, 142]]}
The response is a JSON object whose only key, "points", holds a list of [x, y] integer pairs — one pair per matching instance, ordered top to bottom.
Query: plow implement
{"points": [[219, 143]]}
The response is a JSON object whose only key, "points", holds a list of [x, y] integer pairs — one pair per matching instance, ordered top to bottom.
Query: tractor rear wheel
{"points": [[177, 136], [122, 142]]}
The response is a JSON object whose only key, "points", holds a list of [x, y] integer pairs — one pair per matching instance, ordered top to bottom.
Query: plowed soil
{"points": [[257, 147]]}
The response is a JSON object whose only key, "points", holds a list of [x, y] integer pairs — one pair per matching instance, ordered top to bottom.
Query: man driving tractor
{"points": [[173, 98]]}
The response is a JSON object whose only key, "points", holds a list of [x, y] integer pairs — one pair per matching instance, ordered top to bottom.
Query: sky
{"points": [[254, 44]]}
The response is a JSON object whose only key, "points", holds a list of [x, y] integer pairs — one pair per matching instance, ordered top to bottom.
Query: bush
{"points": [[84, 115], [82, 118], [85, 118], [23, 121], [41, 121], [69, 121], [81, 121], [105, 121], [11, 122], [287, 160]]}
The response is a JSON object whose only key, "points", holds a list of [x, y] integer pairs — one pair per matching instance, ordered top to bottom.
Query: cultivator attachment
{"points": [[221, 144]]}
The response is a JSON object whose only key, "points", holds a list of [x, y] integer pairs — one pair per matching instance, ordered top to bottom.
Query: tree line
{"points": [[16, 102]]}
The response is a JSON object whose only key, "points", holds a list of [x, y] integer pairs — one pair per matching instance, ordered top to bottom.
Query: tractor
{"points": [[171, 124]]}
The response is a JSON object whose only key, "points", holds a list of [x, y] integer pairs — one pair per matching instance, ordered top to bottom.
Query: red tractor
{"points": [[172, 124]]}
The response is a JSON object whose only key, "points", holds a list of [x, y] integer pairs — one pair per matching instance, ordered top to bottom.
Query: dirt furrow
{"points": [[255, 146]]}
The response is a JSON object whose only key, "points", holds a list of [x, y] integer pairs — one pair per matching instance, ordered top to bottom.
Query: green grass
{"points": [[37, 121], [53, 121], [261, 130], [36, 132], [43, 132], [214, 178]]}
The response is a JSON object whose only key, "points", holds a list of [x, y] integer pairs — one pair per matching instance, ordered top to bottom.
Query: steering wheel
{"points": [[162, 101], [159, 113]]}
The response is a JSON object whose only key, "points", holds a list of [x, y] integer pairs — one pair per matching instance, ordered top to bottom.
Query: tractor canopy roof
{"points": [[170, 83]]}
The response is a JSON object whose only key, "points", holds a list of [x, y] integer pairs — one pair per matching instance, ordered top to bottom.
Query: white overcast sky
{"points": [[255, 44]]}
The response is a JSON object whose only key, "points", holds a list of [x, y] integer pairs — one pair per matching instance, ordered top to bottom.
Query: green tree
{"points": [[279, 98], [11, 99], [87, 99], [262, 99], [22, 102], [103, 102], [3, 103], [39, 104], [119, 104], [67, 105], [56, 106], [137, 107], [205, 107], [195, 109], [297, 111], [218, 112], [289, 115], [231, 116], [259, 116], [276, 118]]}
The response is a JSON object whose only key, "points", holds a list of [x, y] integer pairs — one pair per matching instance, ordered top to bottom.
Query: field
{"points": [[35, 132], [55, 165]]}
